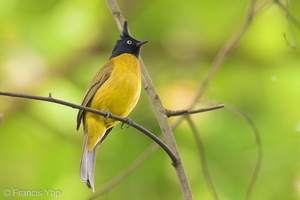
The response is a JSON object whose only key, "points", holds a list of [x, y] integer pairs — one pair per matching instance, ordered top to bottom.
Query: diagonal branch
{"points": [[289, 16], [290, 20], [226, 49], [160, 111], [173, 157]]}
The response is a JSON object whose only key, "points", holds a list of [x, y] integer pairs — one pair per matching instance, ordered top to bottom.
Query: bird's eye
{"points": [[129, 42]]}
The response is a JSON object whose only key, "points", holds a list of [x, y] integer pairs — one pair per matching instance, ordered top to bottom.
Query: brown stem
{"points": [[87, 109], [160, 111], [173, 113]]}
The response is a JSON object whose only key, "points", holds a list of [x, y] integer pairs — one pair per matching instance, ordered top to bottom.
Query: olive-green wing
{"points": [[99, 79]]}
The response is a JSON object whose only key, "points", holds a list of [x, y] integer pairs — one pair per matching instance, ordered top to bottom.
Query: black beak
{"points": [[140, 43]]}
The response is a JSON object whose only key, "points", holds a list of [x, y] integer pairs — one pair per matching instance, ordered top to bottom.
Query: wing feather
{"points": [[99, 79]]}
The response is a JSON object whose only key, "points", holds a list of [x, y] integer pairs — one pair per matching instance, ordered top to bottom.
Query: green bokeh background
{"points": [[56, 46]]}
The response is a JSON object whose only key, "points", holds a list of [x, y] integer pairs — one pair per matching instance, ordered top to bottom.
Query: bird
{"points": [[114, 89]]}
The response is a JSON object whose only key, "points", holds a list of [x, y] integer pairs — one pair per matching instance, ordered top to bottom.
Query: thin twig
{"points": [[290, 19], [293, 19], [229, 45], [225, 50], [87, 109], [173, 113], [259, 148], [202, 156]]}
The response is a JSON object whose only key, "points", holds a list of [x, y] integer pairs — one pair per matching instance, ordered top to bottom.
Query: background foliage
{"points": [[58, 45]]}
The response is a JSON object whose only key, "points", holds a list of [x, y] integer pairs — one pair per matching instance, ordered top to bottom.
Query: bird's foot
{"points": [[108, 114], [129, 123]]}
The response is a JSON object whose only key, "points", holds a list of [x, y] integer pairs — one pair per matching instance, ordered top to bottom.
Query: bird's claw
{"points": [[108, 114], [129, 123]]}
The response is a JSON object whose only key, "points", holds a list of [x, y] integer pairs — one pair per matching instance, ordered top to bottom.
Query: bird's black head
{"points": [[127, 44]]}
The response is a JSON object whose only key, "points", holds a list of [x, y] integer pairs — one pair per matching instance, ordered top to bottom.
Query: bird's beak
{"points": [[140, 43]]}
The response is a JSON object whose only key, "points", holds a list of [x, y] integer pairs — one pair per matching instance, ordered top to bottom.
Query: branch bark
{"points": [[87, 109], [160, 111], [173, 113]]}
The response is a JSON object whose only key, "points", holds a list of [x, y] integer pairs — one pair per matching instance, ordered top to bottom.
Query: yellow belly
{"points": [[118, 95]]}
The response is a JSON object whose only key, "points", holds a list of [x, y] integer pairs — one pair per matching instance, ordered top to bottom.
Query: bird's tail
{"points": [[87, 164]]}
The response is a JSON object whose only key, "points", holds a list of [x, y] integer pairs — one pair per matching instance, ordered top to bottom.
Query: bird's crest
{"points": [[125, 33]]}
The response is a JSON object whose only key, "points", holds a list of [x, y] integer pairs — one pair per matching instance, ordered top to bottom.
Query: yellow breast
{"points": [[120, 93]]}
